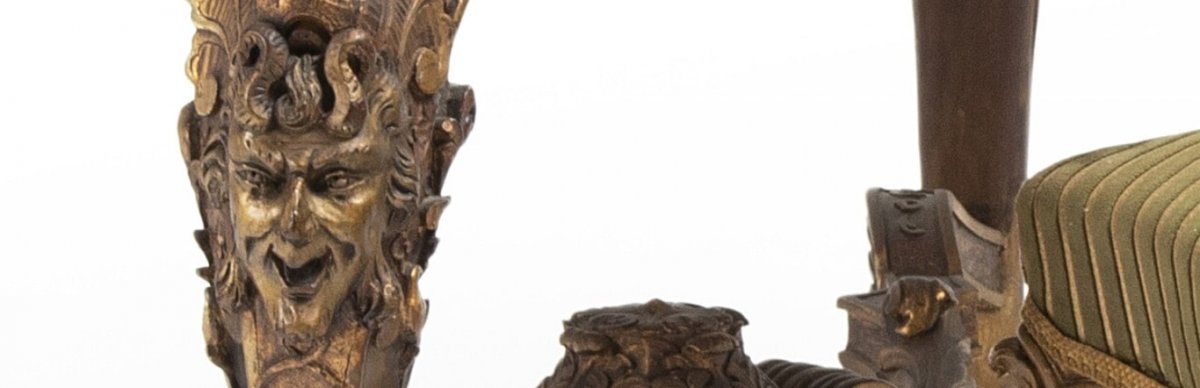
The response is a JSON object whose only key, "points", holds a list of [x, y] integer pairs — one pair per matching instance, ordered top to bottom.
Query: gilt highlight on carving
{"points": [[317, 144]]}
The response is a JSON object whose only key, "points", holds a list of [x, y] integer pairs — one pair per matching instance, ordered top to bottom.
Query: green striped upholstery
{"points": [[1109, 246]]}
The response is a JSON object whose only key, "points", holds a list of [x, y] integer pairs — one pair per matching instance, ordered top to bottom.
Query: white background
{"points": [[716, 152]]}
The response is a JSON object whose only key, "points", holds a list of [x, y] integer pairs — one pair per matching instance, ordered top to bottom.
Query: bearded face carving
{"points": [[317, 144]]}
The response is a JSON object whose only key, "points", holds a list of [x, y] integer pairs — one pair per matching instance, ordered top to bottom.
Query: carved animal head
{"points": [[916, 303]]}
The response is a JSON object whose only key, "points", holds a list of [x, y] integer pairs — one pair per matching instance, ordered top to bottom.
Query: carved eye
{"points": [[255, 177], [339, 180]]}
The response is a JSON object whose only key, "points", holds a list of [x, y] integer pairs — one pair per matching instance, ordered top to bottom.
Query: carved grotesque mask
{"points": [[318, 143], [309, 214]]}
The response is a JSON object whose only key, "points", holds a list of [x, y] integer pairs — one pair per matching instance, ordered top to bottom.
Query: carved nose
{"points": [[296, 223]]}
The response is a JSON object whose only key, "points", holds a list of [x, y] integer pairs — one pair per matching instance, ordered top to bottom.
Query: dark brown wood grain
{"points": [[975, 61]]}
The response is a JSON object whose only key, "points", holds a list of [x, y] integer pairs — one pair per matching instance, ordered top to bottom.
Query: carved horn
{"points": [[207, 56], [263, 56], [433, 63], [347, 88], [302, 103]]}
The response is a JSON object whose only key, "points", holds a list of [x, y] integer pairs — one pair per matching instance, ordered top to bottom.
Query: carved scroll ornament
{"points": [[317, 144]]}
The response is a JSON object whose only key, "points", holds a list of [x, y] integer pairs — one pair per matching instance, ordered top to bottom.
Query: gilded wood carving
{"points": [[322, 131], [317, 144], [947, 283], [945, 293], [656, 344], [661, 344]]}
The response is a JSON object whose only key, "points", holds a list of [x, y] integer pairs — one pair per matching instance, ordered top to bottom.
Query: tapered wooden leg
{"points": [[974, 62]]}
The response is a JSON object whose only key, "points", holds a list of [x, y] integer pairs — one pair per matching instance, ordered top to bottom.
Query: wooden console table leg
{"points": [[974, 62], [946, 288]]}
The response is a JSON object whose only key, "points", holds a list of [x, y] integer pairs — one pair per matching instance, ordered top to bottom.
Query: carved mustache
{"points": [[300, 267], [306, 275]]}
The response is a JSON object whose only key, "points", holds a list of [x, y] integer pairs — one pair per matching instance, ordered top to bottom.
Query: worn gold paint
{"points": [[318, 145]]}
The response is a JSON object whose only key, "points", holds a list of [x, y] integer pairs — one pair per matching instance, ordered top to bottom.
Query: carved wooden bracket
{"points": [[944, 293]]}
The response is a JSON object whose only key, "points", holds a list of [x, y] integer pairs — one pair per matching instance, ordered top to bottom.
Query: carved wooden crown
{"points": [[290, 62], [342, 66], [346, 67]]}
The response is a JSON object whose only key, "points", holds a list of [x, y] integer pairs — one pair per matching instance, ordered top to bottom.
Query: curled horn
{"points": [[207, 55], [261, 60], [432, 65], [347, 87], [302, 104], [455, 123]]}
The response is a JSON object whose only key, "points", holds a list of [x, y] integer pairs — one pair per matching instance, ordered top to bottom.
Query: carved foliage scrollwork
{"points": [[353, 69], [655, 345]]}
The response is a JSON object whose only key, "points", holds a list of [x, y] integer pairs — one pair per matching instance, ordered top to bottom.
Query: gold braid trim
{"points": [[1076, 358]]}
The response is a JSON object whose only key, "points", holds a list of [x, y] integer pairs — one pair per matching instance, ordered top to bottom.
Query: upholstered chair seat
{"points": [[1108, 241]]}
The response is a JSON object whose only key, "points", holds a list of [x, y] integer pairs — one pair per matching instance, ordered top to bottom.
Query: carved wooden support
{"points": [[975, 62], [317, 144], [946, 291], [944, 294], [656, 344], [661, 344]]}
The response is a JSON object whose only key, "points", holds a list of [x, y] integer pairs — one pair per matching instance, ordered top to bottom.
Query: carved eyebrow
{"points": [[323, 158], [272, 160]]}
